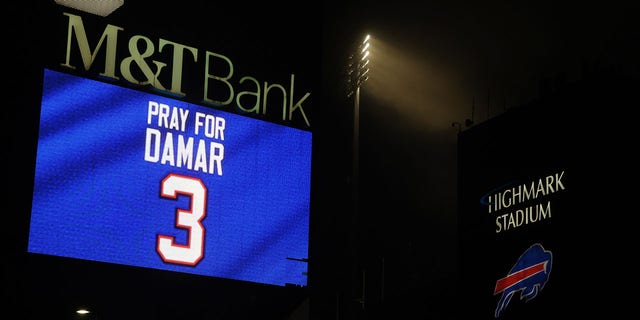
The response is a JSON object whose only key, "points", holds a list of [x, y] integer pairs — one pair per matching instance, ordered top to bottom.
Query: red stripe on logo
{"points": [[518, 276]]}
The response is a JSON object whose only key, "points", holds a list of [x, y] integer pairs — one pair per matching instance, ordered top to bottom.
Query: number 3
{"points": [[191, 253]]}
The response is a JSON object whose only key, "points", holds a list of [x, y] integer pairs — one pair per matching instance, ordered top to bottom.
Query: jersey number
{"points": [[191, 220]]}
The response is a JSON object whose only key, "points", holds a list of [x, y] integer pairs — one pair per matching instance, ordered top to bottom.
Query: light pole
{"points": [[358, 74]]}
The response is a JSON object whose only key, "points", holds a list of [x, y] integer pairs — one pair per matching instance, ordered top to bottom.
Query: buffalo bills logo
{"points": [[527, 277]]}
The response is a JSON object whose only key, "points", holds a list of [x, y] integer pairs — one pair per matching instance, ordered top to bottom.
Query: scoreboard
{"points": [[156, 149], [167, 154], [128, 177]]}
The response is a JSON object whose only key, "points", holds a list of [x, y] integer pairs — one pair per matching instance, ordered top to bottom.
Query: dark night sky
{"points": [[434, 63]]}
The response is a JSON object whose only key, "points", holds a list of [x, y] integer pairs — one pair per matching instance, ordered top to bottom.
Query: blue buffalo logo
{"points": [[527, 277]]}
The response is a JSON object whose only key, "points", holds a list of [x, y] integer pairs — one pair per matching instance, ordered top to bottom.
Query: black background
{"points": [[449, 61]]}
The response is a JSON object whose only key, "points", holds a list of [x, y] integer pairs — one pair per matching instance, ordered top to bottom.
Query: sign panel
{"points": [[133, 178], [518, 183], [543, 196]]}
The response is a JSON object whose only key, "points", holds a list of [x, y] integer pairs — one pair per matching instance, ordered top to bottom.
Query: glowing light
{"points": [[98, 7], [366, 46], [358, 69], [416, 87], [83, 311]]}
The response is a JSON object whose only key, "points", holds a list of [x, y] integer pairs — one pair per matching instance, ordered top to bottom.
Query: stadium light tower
{"points": [[357, 75]]}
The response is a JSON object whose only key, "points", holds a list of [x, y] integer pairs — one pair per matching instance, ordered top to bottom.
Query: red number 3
{"points": [[191, 220]]}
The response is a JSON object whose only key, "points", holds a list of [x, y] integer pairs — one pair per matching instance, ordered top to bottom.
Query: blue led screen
{"points": [[132, 178]]}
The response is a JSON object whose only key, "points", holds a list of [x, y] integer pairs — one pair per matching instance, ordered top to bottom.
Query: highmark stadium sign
{"points": [[156, 182], [501, 201], [521, 226]]}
